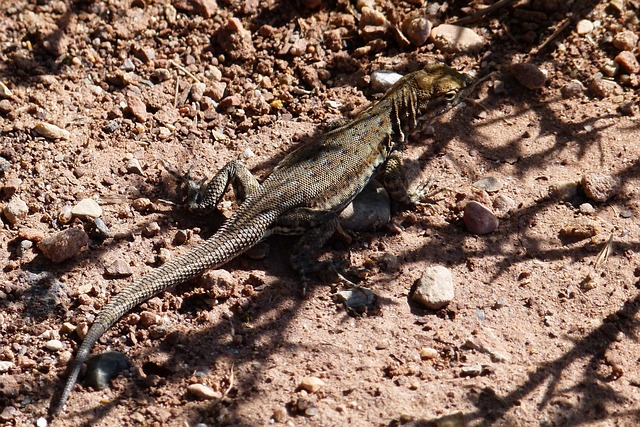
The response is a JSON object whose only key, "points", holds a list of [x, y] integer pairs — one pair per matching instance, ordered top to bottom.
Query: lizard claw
{"points": [[194, 188]]}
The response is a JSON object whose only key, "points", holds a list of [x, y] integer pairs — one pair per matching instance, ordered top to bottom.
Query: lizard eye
{"points": [[451, 95]]}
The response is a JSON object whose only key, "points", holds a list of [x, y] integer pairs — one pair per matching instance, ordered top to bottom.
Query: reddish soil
{"points": [[551, 321]]}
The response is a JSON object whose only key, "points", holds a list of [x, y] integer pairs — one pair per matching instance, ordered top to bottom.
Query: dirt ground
{"points": [[544, 326]]}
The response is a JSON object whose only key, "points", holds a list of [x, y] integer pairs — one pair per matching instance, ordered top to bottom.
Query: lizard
{"points": [[304, 194]]}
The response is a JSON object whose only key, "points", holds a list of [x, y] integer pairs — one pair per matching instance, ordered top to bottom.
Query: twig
{"points": [[479, 14], [555, 34], [184, 70]]}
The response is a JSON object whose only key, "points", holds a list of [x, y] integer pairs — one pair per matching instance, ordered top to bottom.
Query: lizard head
{"points": [[438, 88]]}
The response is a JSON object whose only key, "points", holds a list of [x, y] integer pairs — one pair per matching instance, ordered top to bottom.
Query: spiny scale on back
{"points": [[303, 194]]}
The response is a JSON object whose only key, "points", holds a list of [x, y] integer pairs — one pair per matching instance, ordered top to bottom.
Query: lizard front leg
{"points": [[395, 182], [204, 196]]}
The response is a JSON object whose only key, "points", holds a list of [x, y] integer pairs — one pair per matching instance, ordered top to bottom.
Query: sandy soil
{"points": [[543, 329]]}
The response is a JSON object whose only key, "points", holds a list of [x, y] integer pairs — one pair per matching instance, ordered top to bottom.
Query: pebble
{"points": [[371, 16], [584, 26], [417, 29], [453, 38], [625, 40], [627, 60], [128, 65], [529, 75], [382, 80], [605, 88], [572, 89], [197, 91], [5, 92], [136, 107], [111, 127], [51, 131], [5, 165], [133, 166], [489, 184], [600, 187], [564, 191], [142, 204], [503, 204], [87, 208], [586, 209], [16, 210], [369, 210], [478, 219], [580, 228], [97, 229], [151, 229], [181, 237], [64, 245], [118, 268], [219, 284], [435, 288], [356, 297], [148, 318], [486, 342], [54, 345], [427, 353], [5, 366], [104, 367], [471, 370], [311, 384], [204, 392], [9, 413], [279, 414], [41, 422]]}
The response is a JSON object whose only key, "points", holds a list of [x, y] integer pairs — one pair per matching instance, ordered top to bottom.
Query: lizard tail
{"points": [[218, 249]]}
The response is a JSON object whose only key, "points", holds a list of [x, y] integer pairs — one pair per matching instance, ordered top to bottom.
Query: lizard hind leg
{"points": [[205, 196], [303, 258]]}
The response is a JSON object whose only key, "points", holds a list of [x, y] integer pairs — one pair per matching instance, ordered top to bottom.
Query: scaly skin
{"points": [[303, 195]]}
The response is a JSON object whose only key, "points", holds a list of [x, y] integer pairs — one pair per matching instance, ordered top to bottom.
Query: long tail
{"points": [[218, 249]]}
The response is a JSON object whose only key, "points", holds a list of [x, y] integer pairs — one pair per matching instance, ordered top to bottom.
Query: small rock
{"points": [[204, 8], [371, 16], [584, 26], [417, 29], [453, 38], [625, 40], [236, 41], [627, 60], [128, 65], [610, 68], [529, 75], [382, 80], [605, 88], [572, 89], [197, 91], [5, 92], [136, 107], [111, 127], [51, 131], [5, 165], [133, 166], [489, 184], [600, 187], [564, 191], [142, 204], [503, 204], [87, 208], [586, 208], [16, 210], [369, 210], [478, 219], [580, 228], [151, 229], [181, 237], [64, 245], [118, 268], [219, 284], [435, 288], [356, 297], [147, 318], [486, 342], [54, 345], [428, 353], [5, 366], [102, 368], [471, 370], [311, 384], [201, 391], [9, 413], [279, 414], [42, 422]]}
